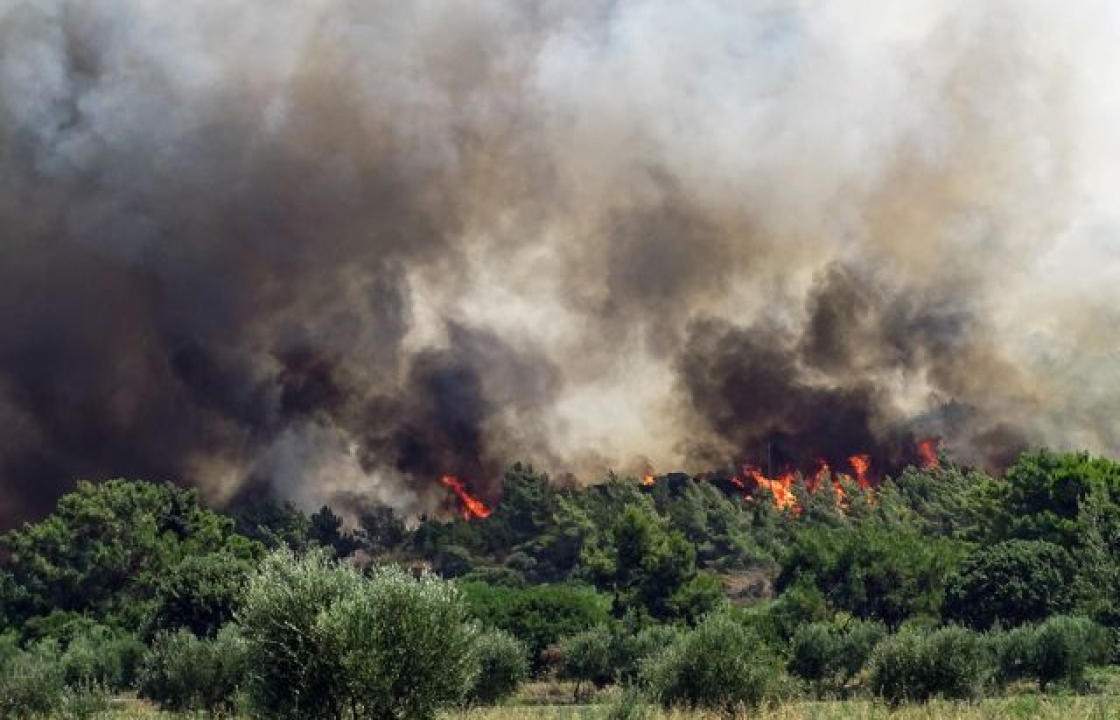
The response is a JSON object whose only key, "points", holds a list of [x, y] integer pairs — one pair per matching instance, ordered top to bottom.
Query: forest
{"points": [[672, 591]]}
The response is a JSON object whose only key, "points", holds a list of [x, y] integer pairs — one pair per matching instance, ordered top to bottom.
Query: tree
{"points": [[1040, 496], [274, 524], [381, 529], [326, 530], [106, 548], [655, 568], [873, 572], [1013, 582], [200, 594], [539, 615], [324, 641], [403, 645], [1064, 647], [830, 654], [102, 656], [589, 657], [719, 665], [914, 665], [503, 666], [295, 674]]}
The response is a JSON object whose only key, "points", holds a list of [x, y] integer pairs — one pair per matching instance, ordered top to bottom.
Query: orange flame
{"points": [[927, 454], [862, 465], [648, 480], [781, 487], [472, 506]]}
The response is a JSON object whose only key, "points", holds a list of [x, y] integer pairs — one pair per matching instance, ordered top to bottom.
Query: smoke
{"points": [[331, 250]]}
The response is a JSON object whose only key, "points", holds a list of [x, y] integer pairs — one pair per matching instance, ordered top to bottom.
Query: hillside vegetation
{"points": [[941, 584]]}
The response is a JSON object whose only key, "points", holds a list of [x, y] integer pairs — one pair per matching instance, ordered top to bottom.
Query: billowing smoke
{"points": [[331, 249]]}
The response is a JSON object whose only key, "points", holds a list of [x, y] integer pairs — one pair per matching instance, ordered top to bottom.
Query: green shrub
{"points": [[1013, 582], [199, 593], [540, 615], [326, 642], [1064, 647], [631, 650], [830, 654], [1013, 654], [102, 657], [589, 657], [503, 665], [720, 665], [914, 666], [182, 672], [293, 673], [31, 683], [85, 700], [630, 705]]}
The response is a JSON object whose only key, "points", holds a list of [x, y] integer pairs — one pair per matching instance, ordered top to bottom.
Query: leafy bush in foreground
{"points": [[326, 642], [1064, 647], [829, 654], [589, 656], [102, 657], [503, 665], [720, 665], [914, 666], [183, 672], [31, 683]]}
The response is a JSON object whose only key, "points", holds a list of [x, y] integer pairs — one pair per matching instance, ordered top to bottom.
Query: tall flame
{"points": [[927, 454], [861, 463], [781, 487], [472, 507]]}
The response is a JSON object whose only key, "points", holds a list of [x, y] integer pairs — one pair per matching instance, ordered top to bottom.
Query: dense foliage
{"points": [[939, 583]]}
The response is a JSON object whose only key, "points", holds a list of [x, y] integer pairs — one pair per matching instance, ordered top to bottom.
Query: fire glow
{"points": [[860, 473], [470, 506]]}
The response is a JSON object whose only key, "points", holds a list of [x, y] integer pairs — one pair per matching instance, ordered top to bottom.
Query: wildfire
{"points": [[927, 454], [862, 465], [781, 487], [472, 507]]}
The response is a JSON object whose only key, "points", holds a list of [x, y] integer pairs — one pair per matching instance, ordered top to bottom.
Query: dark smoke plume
{"points": [[329, 250]]}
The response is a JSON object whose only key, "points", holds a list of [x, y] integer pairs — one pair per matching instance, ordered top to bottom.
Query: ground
{"points": [[553, 701]]}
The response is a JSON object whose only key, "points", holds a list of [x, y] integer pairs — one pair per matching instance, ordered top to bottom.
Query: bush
{"points": [[872, 571], [1013, 582], [199, 594], [539, 615], [326, 642], [1064, 647], [632, 650], [830, 654], [1013, 654], [589, 656], [102, 657], [719, 665], [503, 666], [914, 666], [182, 672], [31, 683], [83, 701], [630, 705]]}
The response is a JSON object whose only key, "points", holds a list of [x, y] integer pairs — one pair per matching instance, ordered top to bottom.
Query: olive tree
{"points": [[327, 642], [720, 665]]}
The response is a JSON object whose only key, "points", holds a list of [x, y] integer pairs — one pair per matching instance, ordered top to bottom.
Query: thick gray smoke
{"points": [[332, 249]]}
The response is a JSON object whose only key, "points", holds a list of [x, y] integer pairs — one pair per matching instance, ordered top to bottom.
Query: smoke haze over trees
{"points": [[329, 251]]}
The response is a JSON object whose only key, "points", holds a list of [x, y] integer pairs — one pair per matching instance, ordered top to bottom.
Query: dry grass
{"points": [[533, 705], [1023, 707]]}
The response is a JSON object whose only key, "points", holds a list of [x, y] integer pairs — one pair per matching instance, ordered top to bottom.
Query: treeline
{"points": [[941, 582]]}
